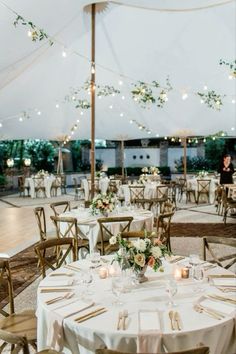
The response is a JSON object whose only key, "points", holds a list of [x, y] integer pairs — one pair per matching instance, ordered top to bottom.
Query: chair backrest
{"points": [[57, 181], [21, 182], [75, 182], [38, 183], [203, 185], [136, 192], [162, 192], [144, 203], [60, 207], [41, 221], [163, 228], [69, 229], [106, 229], [56, 259], [230, 259], [6, 283], [200, 350]]}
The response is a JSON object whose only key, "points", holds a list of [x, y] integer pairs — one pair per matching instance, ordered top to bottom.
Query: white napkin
{"points": [[224, 281], [56, 282], [218, 306], [55, 333], [149, 337]]}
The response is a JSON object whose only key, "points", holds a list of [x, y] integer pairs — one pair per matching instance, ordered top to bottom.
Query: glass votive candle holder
{"points": [[103, 273], [185, 273]]}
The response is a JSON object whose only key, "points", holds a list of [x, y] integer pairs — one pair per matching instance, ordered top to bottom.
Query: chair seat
{"points": [[51, 234], [22, 324]]}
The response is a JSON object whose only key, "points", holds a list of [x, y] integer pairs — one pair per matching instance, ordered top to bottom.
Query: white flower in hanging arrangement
{"points": [[35, 33], [232, 67], [212, 99]]}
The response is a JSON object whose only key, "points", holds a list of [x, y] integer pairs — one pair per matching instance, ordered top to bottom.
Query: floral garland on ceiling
{"points": [[35, 33], [231, 65], [144, 95], [211, 99]]}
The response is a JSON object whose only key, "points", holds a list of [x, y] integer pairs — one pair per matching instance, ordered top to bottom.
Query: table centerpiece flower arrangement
{"points": [[145, 170], [154, 170], [42, 173], [202, 174], [143, 178], [103, 204], [140, 253]]}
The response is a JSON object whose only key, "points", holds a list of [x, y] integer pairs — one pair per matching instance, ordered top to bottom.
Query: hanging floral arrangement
{"points": [[231, 65], [212, 99]]}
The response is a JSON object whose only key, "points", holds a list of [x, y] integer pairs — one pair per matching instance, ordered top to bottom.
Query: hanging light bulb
{"points": [[29, 33], [64, 54], [93, 68], [230, 77], [120, 82], [205, 87], [184, 96], [123, 97], [73, 98], [202, 101], [233, 101], [218, 103], [57, 105], [111, 106], [39, 113], [81, 113], [121, 114], [21, 119], [77, 121], [131, 121], [0, 125], [75, 127], [232, 128], [72, 132], [149, 132], [157, 135], [165, 137], [213, 138], [172, 139], [180, 140], [189, 140], [204, 140], [196, 141]]}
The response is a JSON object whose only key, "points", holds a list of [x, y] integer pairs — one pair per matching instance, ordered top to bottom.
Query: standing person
{"points": [[226, 170]]}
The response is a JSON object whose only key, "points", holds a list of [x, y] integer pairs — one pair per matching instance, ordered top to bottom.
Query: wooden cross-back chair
{"points": [[56, 184], [181, 185], [39, 186], [22, 187], [203, 188], [136, 192], [161, 196], [218, 199], [144, 203], [228, 204], [60, 207], [41, 221], [68, 227], [163, 228], [106, 232], [138, 234], [230, 259], [55, 260], [16, 329], [200, 350]]}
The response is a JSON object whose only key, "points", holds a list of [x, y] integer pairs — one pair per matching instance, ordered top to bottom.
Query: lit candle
{"points": [[103, 273], [185, 273], [177, 274]]}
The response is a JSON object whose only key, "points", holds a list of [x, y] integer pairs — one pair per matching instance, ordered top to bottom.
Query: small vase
{"points": [[140, 275]]}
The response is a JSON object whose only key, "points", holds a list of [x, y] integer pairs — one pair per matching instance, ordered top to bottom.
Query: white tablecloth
{"points": [[29, 182], [90, 227], [84, 338]]}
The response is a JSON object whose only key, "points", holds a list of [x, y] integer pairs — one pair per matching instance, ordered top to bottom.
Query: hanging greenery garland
{"points": [[36, 34], [231, 65], [144, 95], [212, 99]]}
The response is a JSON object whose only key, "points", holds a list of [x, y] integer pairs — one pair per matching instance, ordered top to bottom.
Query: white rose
{"points": [[112, 240], [140, 245], [156, 252]]}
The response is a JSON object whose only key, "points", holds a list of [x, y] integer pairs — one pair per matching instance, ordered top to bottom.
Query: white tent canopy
{"points": [[135, 40]]}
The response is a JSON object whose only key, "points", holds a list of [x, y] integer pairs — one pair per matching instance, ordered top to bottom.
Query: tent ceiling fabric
{"points": [[133, 38]]}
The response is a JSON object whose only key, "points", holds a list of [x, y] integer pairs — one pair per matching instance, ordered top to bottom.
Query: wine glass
{"points": [[94, 258], [194, 260], [198, 277], [87, 279], [117, 288], [171, 289]]}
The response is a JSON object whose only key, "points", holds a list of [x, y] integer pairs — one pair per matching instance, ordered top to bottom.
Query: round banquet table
{"points": [[142, 219], [58, 329]]}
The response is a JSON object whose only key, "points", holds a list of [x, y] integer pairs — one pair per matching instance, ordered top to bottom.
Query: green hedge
{"points": [[137, 171], [2, 180]]}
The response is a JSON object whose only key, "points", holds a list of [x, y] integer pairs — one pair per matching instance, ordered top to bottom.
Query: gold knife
{"points": [[91, 314], [171, 316], [177, 320]]}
